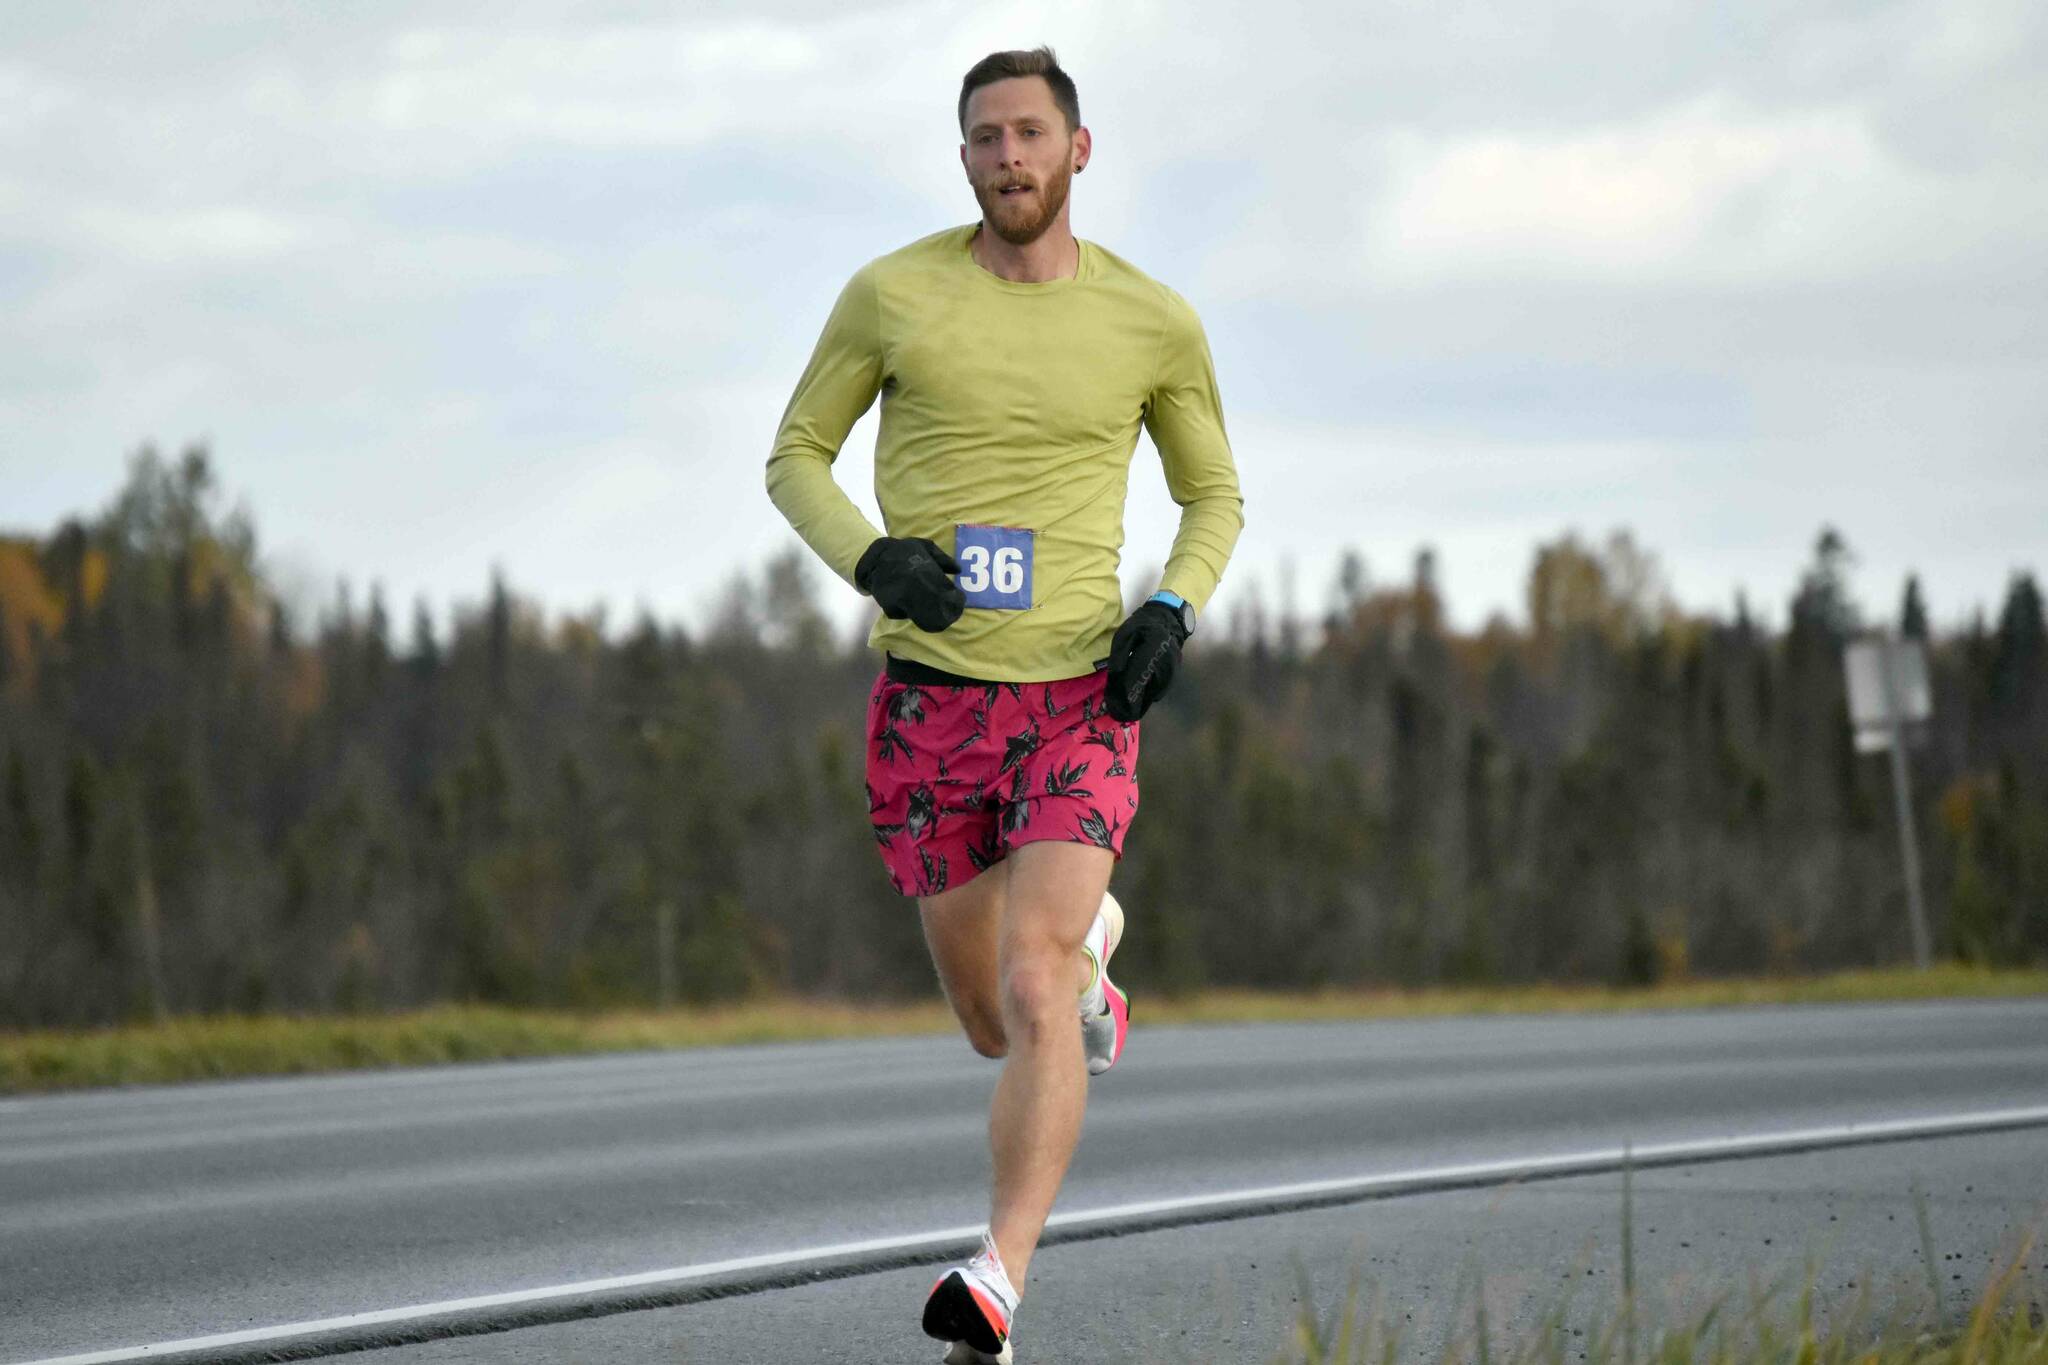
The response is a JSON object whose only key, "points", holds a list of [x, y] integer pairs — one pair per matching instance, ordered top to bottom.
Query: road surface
{"points": [[151, 1215]]}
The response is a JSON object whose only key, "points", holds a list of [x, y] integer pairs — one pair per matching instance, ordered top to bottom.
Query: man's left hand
{"points": [[1142, 659]]}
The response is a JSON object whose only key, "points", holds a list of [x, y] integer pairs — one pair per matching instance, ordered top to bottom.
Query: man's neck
{"points": [[1055, 255]]}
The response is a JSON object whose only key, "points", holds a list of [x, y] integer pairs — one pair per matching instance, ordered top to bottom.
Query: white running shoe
{"points": [[1103, 1031], [970, 1307]]}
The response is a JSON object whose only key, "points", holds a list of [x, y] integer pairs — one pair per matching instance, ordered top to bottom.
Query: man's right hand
{"points": [[910, 580]]}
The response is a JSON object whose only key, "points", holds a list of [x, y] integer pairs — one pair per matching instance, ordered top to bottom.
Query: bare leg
{"points": [[1053, 893], [962, 927]]}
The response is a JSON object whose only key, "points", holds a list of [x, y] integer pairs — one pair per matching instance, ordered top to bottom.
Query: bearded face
{"points": [[1020, 155], [1020, 206]]}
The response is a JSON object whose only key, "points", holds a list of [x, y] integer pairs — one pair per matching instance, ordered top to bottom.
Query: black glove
{"points": [[908, 580], [1142, 658]]}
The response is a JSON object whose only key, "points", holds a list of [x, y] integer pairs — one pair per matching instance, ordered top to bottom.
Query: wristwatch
{"points": [[1180, 606]]}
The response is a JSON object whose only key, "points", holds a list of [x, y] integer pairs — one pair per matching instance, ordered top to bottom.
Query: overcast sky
{"points": [[452, 286]]}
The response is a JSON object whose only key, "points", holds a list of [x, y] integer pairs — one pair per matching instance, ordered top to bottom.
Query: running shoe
{"points": [[1103, 1033], [970, 1306]]}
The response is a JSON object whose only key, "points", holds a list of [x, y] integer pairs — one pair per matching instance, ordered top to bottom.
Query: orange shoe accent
{"points": [[991, 1310]]}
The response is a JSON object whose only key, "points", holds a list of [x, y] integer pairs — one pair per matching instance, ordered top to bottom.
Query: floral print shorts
{"points": [[957, 776]]}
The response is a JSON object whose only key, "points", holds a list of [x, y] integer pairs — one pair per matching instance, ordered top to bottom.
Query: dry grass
{"points": [[1948, 981], [275, 1045], [221, 1046], [1777, 1323], [2004, 1327]]}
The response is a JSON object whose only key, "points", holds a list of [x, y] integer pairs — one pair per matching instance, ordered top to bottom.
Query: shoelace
{"points": [[989, 1263]]}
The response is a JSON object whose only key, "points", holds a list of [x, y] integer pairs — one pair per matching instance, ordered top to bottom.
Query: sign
{"points": [[995, 565], [1888, 689], [1888, 693]]}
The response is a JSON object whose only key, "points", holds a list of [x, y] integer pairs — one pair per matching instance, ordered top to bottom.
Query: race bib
{"points": [[995, 565]]}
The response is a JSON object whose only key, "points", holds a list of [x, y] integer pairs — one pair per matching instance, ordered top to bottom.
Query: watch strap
{"points": [[1180, 607]]}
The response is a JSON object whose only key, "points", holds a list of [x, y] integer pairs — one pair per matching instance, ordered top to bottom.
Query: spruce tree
{"points": [[1913, 611]]}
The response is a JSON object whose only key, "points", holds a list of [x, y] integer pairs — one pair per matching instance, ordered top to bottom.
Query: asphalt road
{"points": [[146, 1215], [1229, 1293]]}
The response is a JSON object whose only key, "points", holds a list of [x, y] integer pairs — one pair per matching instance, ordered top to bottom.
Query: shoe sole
{"points": [[1113, 920], [953, 1313], [963, 1354]]}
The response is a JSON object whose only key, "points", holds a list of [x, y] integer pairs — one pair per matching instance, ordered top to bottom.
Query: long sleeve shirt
{"points": [[1013, 406]]}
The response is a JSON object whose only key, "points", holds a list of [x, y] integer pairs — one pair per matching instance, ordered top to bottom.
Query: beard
{"points": [[1022, 218]]}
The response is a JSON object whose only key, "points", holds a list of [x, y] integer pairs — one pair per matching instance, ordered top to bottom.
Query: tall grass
{"points": [[1769, 1326]]}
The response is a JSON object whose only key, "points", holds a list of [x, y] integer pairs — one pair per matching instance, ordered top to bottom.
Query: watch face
{"points": [[1187, 618]]}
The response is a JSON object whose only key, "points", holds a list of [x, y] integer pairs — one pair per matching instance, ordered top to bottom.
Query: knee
{"points": [[1037, 990], [981, 1020], [983, 1025], [987, 1038]]}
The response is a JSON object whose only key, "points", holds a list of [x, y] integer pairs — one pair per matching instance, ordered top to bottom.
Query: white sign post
{"points": [[1888, 691]]}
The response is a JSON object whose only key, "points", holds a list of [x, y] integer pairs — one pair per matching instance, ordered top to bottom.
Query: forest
{"points": [[209, 805]]}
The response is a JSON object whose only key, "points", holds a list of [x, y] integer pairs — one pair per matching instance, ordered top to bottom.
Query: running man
{"points": [[1015, 364]]}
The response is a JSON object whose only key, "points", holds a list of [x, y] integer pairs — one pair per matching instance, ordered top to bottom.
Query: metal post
{"points": [[1902, 792]]}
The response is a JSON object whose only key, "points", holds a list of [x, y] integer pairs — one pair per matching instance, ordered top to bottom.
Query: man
{"points": [[1015, 365]]}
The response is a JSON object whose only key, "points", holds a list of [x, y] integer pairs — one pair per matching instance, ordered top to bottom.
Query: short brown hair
{"points": [[1039, 61]]}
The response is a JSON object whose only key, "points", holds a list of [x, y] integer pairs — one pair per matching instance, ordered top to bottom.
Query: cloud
{"points": [[615, 85], [1634, 200], [228, 234], [532, 285]]}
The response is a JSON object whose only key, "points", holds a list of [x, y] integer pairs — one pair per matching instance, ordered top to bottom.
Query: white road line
{"points": [[1569, 1163], [1186, 1209], [386, 1316]]}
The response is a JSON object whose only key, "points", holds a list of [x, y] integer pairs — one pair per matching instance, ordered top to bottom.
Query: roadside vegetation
{"points": [[223, 792], [197, 1048], [1777, 1323], [2004, 1327]]}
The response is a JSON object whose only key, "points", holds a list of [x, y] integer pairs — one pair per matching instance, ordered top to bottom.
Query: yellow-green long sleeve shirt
{"points": [[1016, 406]]}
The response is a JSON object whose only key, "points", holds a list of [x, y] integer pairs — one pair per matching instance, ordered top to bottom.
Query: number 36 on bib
{"points": [[995, 565]]}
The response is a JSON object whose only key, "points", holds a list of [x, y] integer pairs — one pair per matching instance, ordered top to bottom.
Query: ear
{"points": [[1084, 147], [963, 161]]}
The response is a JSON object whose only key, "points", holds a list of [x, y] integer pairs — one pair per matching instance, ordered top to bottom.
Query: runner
{"points": [[1015, 365]]}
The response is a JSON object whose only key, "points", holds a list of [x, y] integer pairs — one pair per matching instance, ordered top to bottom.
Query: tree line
{"points": [[207, 805]]}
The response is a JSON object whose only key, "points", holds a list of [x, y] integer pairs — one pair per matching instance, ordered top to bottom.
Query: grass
{"points": [[1947, 981], [206, 1047], [198, 1048], [2004, 1326]]}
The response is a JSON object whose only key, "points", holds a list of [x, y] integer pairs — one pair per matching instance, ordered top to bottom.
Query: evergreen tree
{"points": [[1822, 605], [1913, 611], [794, 622], [280, 632], [498, 639], [376, 642], [426, 650], [2019, 669], [202, 808], [22, 837]]}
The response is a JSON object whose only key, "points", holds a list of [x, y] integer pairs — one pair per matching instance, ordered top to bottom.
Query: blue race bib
{"points": [[995, 565]]}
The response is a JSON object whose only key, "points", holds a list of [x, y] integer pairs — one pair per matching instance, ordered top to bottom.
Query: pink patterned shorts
{"points": [[957, 776]]}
